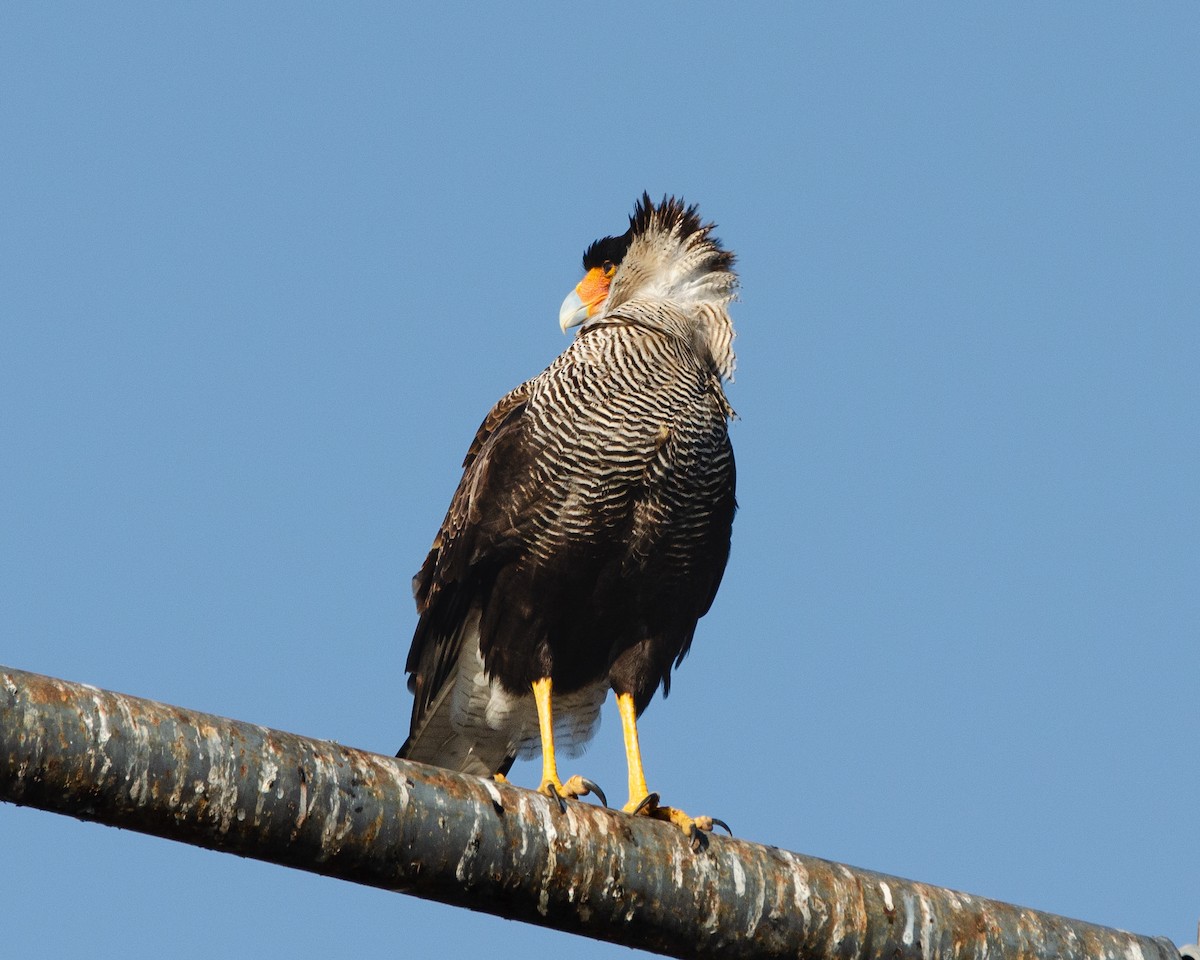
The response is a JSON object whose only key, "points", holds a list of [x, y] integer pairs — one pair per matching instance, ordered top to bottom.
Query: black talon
{"points": [[596, 790], [648, 800], [562, 806], [722, 824]]}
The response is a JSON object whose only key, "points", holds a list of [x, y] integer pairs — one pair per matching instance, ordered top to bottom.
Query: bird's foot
{"points": [[499, 778], [574, 788], [694, 828]]}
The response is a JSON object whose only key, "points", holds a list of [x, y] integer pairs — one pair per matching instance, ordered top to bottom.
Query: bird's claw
{"points": [[589, 786], [574, 788], [553, 791], [649, 804], [694, 828]]}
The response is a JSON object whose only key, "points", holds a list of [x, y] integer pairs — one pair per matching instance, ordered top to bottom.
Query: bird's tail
{"points": [[436, 739], [437, 743]]}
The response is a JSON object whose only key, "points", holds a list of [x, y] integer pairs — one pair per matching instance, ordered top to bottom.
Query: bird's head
{"points": [[668, 258], [600, 263]]}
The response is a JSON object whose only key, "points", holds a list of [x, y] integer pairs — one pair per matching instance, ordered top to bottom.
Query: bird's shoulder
{"points": [[506, 411], [496, 443]]}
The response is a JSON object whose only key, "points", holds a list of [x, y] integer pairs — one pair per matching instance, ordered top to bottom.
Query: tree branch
{"points": [[332, 810]]}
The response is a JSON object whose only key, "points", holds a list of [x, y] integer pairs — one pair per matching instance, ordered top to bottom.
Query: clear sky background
{"points": [[263, 271]]}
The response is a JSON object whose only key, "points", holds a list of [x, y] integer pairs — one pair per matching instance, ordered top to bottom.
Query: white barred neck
{"points": [[676, 276]]}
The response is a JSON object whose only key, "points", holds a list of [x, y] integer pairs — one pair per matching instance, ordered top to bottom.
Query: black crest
{"points": [[669, 213], [607, 250]]}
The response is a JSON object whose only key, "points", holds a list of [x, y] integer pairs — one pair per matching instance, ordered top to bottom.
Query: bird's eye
{"points": [[609, 268]]}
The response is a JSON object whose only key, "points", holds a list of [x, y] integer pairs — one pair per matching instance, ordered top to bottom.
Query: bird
{"points": [[592, 524]]}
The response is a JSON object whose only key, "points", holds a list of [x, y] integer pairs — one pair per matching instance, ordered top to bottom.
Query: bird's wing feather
{"points": [[445, 589]]}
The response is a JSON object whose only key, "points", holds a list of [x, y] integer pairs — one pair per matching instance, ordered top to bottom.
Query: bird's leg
{"points": [[551, 786], [638, 792], [641, 800]]}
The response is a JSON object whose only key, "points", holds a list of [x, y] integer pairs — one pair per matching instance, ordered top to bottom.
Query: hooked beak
{"points": [[586, 299], [572, 312]]}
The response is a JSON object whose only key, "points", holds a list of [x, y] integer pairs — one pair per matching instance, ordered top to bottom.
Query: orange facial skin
{"points": [[593, 288], [587, 297]]}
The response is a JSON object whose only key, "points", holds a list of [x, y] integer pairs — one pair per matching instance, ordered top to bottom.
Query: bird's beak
{"points": [[582, 302], [572, 312]]}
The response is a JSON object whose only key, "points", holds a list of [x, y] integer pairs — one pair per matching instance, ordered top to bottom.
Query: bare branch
{"points": [[322, 807]]}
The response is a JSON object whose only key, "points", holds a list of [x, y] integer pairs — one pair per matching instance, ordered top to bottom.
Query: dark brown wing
{"points": [[456, 575]]}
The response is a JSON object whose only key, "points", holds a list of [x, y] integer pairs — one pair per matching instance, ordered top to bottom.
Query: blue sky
{"points": [[262, 272]]}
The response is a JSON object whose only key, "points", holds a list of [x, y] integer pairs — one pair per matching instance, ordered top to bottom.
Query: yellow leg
{"points": [[541, 696], [633, 752], [551, 786], [641, 800]]}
